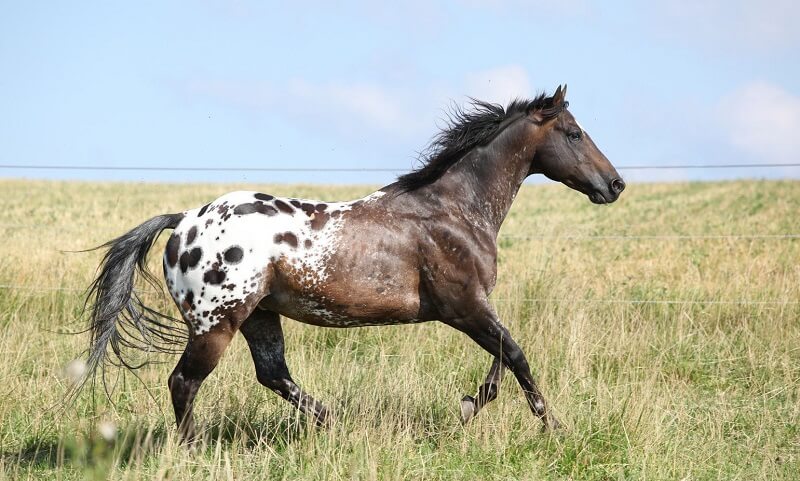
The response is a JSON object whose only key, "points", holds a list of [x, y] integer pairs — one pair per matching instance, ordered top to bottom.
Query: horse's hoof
{"points": [[467, 409], [325, 419], [552, 424], [187, 436], [191, 443]]}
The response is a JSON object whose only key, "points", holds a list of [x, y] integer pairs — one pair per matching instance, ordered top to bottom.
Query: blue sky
{"points": [[362, 84]]}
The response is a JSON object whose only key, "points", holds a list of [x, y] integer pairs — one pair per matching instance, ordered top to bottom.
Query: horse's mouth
{"points": [[598, 197]]}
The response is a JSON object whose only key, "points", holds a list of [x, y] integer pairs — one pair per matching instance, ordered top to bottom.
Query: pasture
{"points": [[668, 348]]}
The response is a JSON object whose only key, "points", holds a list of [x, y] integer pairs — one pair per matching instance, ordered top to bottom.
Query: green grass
{"points": [[696, 390]]}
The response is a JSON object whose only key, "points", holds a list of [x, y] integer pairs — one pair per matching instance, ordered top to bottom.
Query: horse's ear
{"points": [[558, 97], [551, 111]]}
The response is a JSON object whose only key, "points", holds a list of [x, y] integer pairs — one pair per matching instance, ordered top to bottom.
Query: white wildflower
{"points": [[75, 370], [107, 429]]}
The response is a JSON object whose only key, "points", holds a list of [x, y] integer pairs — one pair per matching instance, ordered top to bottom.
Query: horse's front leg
{"points": [[486, 330], [470, 406]]}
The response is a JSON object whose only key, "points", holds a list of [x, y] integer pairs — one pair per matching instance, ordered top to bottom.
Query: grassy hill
{"points": [[668, 356]]}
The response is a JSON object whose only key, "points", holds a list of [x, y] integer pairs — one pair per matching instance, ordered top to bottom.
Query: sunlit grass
{"points": [[704, 389]]}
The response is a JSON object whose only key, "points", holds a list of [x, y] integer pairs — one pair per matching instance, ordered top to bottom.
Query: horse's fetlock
{"points": [[488, 392]]}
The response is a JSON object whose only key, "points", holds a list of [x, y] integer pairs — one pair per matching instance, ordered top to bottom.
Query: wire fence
{"points": [[348, 169], [566, 237], [656, 237], [542, 300]]}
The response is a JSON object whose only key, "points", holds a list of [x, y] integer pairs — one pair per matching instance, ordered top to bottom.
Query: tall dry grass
{"points": [[702, 389]]}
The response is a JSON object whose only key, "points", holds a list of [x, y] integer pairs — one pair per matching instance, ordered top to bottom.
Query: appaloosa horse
{"points": [[421, 249]]}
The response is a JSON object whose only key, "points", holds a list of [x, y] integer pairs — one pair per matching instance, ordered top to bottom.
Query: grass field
{"points": [[708, 388]]}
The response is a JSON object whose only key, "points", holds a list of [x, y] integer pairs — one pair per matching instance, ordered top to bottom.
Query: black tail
{"points": [[118, 316]]}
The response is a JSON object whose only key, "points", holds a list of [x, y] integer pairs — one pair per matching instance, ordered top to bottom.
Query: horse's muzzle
{"points": [[608, 194]]}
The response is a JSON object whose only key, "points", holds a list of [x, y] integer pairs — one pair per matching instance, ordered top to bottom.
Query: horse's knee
{"points": [[271, 371], [271, 378], [267, 380], [177, 382], [281, 386], [182, 389]]}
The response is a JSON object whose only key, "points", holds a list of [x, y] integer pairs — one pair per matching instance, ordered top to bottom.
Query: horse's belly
{"points": [[329, 310]]}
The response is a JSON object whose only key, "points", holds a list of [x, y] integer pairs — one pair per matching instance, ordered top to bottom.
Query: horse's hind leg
{"points": [[265, 337], [200, 357], [470, 406]]}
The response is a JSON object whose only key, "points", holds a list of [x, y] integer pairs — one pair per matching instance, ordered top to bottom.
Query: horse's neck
{"points": [[484, 183]]}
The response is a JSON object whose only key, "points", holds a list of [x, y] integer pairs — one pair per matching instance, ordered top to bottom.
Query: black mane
{"points": [[466, 129]]}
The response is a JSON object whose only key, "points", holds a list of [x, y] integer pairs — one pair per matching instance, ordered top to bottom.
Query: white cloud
{"points": [[499, 84], [373, 105], [347, 107], [402, 112], [763, 120]]}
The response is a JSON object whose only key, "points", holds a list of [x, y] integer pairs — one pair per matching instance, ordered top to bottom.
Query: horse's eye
{"points": [[575, 135]]}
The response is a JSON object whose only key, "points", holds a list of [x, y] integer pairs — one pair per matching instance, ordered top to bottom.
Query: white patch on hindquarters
{"points": [[207, 286]]}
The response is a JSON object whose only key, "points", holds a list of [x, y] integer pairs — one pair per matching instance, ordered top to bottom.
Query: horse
{"points": [[423, 248]]}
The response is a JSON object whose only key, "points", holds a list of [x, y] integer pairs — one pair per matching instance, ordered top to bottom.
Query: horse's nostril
{"points": [[617, 185]]}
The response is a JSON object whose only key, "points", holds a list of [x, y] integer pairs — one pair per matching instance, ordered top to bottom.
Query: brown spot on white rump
{"points": [[284, 207], [319, 219], [286, 237], [173, 244], [234, 255], [189, 259], [214, 276]]}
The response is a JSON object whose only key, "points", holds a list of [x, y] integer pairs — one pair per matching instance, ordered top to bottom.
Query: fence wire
{"points": [[349, 169], [575, 237], [656, 237], [543, 300]]}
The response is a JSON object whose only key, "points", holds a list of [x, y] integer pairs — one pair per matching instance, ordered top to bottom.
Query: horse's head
{"points": [[567, 154]]}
